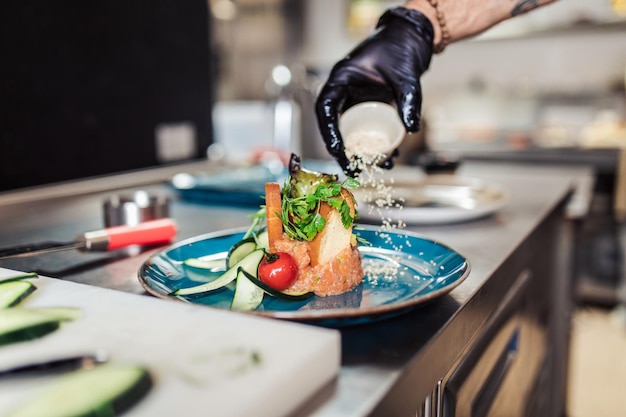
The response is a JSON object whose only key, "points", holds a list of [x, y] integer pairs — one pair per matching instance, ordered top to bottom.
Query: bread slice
{"points": [[334, 238]]}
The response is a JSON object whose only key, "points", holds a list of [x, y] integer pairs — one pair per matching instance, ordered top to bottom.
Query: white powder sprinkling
{"points": [[367, 144], [379, 199]]}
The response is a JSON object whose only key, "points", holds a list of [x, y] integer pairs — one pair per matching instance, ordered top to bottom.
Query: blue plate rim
{"points": [[315, 315]]}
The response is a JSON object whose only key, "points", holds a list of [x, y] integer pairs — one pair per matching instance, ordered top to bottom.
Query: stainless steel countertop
{"points": [[374, 355]]}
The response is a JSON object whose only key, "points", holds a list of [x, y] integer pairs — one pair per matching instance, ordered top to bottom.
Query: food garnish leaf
{"points": [[303, 193], [346, 216], [257, 220]]}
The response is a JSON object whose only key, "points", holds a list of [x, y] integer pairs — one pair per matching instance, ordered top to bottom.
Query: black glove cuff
{"points": [[422, 24]]}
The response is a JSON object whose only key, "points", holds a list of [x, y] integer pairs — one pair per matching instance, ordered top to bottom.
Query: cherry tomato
{"points": [[278, 270]]}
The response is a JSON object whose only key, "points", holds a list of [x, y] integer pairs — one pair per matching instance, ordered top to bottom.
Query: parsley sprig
{"points": [[301, 214], [257, 220]]}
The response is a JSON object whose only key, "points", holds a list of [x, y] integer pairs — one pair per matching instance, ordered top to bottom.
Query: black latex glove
{"points": [[386, 67]]}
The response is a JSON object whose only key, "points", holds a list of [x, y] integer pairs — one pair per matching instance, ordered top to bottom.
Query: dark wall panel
{"points": [[84, 85]]}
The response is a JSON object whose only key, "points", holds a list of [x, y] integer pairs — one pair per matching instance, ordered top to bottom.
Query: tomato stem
{"points": [[271, 257]]}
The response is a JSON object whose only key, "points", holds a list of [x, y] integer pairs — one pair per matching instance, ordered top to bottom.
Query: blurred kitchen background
{"points": [[553, 78], [116, 86]]}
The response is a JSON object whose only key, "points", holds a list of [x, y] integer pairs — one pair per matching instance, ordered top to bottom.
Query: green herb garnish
{"points": [[303, 193], [301, 213], [257, 221]]}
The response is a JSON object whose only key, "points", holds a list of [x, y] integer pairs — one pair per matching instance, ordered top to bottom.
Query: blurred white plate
{"points": [[434, 199]]}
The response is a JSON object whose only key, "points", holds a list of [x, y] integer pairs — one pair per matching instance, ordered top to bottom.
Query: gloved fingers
{"points": [[409, 102], [327, 107], [388, 163]]}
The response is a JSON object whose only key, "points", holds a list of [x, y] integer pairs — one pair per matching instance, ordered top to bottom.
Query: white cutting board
{"points": [[200, 357]]}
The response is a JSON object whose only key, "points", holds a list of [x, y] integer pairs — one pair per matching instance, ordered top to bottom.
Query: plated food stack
{"points": [[311, 219]]}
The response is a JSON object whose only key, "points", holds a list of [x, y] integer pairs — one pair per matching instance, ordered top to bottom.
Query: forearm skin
{"points": [[466, 18]]}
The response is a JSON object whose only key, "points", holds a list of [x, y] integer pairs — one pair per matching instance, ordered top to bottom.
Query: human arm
{"points": [[466, 18], [387, 65]]}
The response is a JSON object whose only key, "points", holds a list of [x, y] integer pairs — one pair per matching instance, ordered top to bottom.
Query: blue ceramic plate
{"points": [[402, 271]]}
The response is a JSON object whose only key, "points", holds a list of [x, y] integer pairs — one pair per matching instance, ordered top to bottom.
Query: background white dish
{"points": [[434, 199]]}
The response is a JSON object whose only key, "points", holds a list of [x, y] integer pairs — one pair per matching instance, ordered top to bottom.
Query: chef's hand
{"points": [[385, 67]]}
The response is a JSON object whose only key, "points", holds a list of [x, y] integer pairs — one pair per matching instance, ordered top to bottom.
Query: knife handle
{"points": [[147, 233]]}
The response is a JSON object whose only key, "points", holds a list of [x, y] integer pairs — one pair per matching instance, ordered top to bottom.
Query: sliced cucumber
{"points": [[262, 240], [240, 250], [210, 264], [250, 264], [206, 268], [19, 277], [11, 293], [247, 296], [287, 296], [20, 324], [103, 391]]}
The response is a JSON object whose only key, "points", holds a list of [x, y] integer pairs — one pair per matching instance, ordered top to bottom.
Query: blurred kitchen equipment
{"points": [[286, 112], [371, 128], [439, 162], [239, 186], [138, 207], [147, 233]]}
